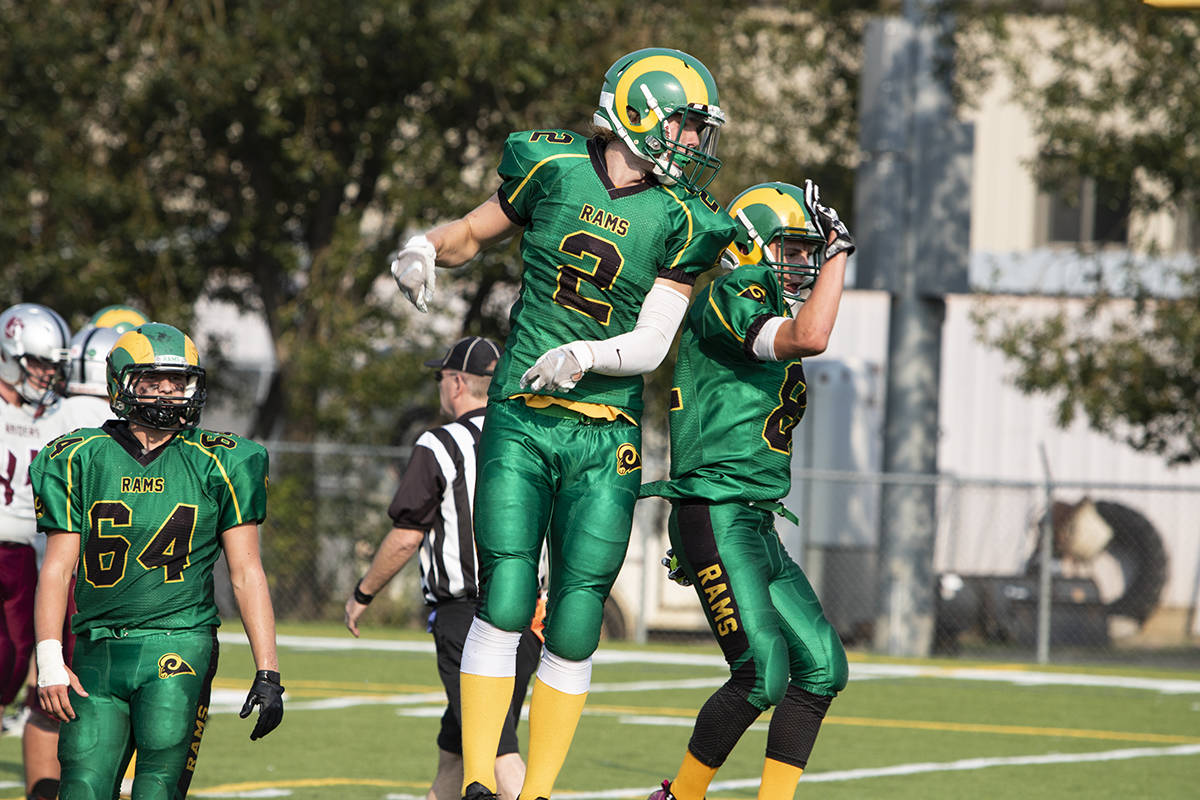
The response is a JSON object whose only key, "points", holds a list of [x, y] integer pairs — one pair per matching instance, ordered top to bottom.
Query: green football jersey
{"points": [[591, 252], [732, 415], [149, 525]]}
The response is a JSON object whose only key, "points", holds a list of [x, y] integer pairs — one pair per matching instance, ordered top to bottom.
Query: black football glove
{"points": [[267, 693]]}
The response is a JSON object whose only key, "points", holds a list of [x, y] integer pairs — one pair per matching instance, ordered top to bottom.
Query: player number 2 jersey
{"points": [[591, 252], [732, 415], [150, 525]]}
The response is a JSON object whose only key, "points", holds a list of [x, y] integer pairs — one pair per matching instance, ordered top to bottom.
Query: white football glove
{"points": [[827, 221], [414, 272], [559, 369]]}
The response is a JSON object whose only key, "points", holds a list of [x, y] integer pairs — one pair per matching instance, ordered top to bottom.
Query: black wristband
{"points": [[360, 596], [269, 675]]}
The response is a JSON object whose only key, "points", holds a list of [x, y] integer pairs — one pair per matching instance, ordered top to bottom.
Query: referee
{"points": [[431, 512]]}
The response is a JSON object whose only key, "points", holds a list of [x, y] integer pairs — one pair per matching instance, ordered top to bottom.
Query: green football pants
{"points": [[565, 479], [760, 606], [148, 691]]}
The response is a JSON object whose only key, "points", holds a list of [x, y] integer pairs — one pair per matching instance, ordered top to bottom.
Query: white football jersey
{"points": [[87, 411], [22, 435]]}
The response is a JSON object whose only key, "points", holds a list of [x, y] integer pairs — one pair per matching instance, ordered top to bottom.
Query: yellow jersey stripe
{"points": [[538, 166], [687, 213], [717, 311], [70, 480], [237, 509]]}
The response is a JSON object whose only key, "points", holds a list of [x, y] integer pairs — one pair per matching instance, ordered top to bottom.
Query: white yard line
{"points": [[858, 670], [962, 765], [837, 776]]}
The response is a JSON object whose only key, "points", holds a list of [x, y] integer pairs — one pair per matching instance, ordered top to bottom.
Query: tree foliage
{"points": [[1120, 104], [270, 153]]}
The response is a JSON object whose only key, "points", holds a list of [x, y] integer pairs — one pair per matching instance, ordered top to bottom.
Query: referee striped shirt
{"points": [[435, 495]]}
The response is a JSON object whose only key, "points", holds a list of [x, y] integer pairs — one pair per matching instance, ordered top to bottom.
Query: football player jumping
{"points": [[615, 229], [739, 390], [142, 506]]}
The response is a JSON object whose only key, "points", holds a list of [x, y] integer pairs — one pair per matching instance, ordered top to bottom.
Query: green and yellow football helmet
{"points": [[641, 91], [777, 228], [122, 318], [156, 348]]}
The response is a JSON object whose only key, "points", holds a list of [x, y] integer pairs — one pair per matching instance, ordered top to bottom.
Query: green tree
{"points": [[1120, 105]]}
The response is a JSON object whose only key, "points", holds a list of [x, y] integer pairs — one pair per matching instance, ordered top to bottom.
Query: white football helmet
{"points": [[33, 335], [89, 365]]}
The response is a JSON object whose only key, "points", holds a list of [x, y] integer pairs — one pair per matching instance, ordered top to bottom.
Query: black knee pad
{"points": [[721, 722], [795, 725]]}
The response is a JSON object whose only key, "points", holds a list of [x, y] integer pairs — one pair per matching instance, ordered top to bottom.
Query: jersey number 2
{"points": [[607, 265], [104, 555]]}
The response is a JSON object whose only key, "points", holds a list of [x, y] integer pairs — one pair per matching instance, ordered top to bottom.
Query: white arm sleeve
{"points": [[764, 343], [642, 349]]}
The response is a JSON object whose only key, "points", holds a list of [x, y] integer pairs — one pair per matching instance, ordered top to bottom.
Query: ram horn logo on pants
{"points": [[628, 459], [173, 664]]}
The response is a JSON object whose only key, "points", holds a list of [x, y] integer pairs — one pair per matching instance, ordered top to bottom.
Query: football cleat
{"points": [[477, 791], [663, 793]]}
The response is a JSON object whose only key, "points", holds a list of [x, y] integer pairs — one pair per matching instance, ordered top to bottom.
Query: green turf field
{"points": [[361, 722]]}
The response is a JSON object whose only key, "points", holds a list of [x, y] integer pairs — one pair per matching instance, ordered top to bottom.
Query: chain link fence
{"points": [[1029, 570], [1121, 576]]}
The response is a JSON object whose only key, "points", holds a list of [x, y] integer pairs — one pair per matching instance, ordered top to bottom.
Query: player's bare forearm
{"points": [[459, 241], [808, 334], [397, 549], [54, 582], [252, 593], [258, 619]]}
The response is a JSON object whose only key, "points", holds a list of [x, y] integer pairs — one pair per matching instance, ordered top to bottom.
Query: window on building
{"points": [[1087, 211]]}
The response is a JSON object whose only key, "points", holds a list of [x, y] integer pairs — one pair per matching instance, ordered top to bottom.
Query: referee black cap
{"points": [[474, 354]]}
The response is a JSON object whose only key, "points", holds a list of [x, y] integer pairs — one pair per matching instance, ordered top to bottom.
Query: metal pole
{"points": [[912, 210], [1046, 550]]}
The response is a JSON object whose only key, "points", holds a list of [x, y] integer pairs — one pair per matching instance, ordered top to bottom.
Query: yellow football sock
{"points": [[485, 703], [553, 717], [693, 778], [778, 780]]}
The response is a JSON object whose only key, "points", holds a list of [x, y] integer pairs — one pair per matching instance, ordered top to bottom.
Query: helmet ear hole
{"points": [[634, 117]]}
